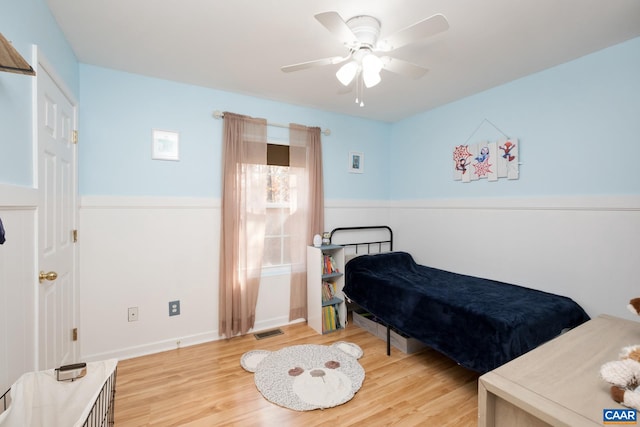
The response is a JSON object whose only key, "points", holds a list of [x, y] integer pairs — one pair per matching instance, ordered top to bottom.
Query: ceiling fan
{"points": [[361, 35]]}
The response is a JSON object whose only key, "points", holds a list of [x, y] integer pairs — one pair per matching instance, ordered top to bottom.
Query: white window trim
{"points": [[281, 269], [276, 270]]}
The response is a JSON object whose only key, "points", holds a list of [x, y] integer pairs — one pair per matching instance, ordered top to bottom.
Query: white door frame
{"points": [[41, 64]]}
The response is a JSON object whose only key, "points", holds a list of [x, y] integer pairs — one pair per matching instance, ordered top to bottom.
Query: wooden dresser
{"points": [[559, 382]]}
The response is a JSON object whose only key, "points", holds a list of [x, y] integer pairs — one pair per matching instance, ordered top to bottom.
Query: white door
{"points": [[57, 293]]}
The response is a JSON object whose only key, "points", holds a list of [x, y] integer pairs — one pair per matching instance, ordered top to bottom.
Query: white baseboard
{"points": [[274, 323], [181, 342], [151, 348]]}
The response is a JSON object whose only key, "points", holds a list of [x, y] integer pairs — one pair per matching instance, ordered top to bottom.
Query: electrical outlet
{"points": [[174, 308], [133, 314]]}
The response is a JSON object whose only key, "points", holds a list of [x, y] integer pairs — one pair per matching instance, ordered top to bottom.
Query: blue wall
{"points": [[26, 23], [119, 111], [578, 126]]}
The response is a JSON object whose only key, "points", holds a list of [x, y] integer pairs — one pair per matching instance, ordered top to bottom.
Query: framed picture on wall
{"points": [[165, 145], [356, 162]]}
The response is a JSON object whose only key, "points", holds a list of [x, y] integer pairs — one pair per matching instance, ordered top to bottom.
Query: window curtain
{"points": [[307, 208], [243, 221]]}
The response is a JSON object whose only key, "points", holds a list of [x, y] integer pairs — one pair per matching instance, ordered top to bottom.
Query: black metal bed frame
{"points": [[379, 243], [357, 245], [4, 399]]}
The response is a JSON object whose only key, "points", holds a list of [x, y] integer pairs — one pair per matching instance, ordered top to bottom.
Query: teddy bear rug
{"points": [[307, 377]]}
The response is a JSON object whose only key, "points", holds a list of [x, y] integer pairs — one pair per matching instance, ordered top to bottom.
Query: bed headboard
{"points": [[363, 239]]}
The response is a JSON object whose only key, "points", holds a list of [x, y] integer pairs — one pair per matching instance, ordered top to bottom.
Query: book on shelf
{"points": [[329, 265], [329, 291], [330, 318]]}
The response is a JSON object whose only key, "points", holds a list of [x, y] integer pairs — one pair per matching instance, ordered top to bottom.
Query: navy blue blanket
{"points": [[479, 323]]}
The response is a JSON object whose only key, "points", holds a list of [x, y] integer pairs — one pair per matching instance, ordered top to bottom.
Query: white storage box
{"points": [[406, 345]]}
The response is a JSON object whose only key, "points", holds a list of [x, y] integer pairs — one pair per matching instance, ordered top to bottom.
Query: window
{"points": [[276, 244]]}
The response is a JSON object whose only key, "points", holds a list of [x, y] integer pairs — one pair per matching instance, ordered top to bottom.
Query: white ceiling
{"points": [[240, 45]]}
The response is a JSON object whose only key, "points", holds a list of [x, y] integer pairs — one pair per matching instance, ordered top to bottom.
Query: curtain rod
{"points": [[220, 115]]}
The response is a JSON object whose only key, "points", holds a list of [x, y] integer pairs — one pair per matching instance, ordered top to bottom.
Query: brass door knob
{"points": [[52, 275]]}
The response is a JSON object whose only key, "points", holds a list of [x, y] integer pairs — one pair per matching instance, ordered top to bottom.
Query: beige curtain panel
{"points": [[307, 208], [242, 222]]}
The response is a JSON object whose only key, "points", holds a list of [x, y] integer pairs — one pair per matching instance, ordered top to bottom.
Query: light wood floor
{"points": [[204, 385]]}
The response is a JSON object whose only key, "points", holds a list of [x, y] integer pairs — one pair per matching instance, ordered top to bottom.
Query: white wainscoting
{"points": [[353, 213], [582, 247], [146, 251], [17, 283]]}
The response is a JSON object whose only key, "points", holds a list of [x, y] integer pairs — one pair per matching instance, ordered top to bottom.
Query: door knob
{"points": [[52, 275]]}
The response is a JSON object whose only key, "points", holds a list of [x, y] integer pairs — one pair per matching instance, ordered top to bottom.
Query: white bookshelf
{"points": [[317, 308]]}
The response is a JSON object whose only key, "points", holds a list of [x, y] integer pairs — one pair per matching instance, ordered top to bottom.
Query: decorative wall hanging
{"points": [[165, 145], [491, 160], [356, 162]]}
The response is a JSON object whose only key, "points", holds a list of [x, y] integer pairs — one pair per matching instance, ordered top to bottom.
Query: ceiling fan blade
{"points": [[333, 22], [420, 30], [315, 63], [402, 67]]}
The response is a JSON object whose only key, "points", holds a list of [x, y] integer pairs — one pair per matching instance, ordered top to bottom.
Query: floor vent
{"points": [[267, 334]]}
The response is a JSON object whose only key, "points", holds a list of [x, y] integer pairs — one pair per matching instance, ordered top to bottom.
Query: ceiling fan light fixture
{"points": [[365, 28], [361, 35], [371, 66], [347, 72], [371, 79]]}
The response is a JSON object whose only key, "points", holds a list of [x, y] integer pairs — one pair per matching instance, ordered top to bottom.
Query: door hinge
{"points": [[74, 137], [74, 236], [74, 334]]}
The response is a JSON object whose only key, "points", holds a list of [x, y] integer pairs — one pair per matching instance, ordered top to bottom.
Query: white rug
{"points": [[307, 377]]}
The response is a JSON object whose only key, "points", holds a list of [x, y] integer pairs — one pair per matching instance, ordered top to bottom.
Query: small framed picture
{"points": [[165, 145], [356, 162]]}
